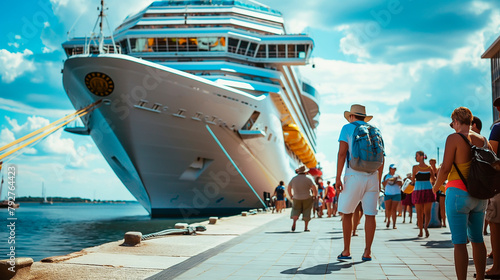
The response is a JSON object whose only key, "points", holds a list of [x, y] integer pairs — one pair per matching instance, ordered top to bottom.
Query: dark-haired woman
{"points": [[280, 194], [422, 196], [465, 213]]}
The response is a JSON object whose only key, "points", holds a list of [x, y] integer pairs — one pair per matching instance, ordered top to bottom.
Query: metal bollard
{"points": [[212, 220], [132, 238]]}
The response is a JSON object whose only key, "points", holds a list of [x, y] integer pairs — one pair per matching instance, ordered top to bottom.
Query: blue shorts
{"points": [[393, 197], [465, 216]]}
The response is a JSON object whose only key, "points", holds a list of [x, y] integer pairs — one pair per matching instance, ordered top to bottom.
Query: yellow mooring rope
{"points": [[45, 131]]}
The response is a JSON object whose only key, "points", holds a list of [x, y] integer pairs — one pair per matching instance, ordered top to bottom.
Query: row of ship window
{"points": [[214, 44]]}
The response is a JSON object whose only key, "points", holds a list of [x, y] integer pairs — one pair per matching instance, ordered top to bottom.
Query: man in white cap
{"points": [[358, 186], [302, 201]]}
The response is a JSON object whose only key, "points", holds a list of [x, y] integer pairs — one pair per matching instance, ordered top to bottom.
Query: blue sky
{"points": [[409, 62]]}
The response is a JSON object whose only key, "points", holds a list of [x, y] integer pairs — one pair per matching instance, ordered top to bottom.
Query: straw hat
{"points": [[357, 110], [301, 169]]}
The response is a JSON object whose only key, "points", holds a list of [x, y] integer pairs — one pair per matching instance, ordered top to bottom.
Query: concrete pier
{"points": [[262, 246]]}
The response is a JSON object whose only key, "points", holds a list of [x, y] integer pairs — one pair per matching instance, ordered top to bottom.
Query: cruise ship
{"points": [[201, 108]]}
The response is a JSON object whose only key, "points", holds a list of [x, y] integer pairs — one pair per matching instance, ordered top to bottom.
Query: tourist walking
{"points": [[476, 126], [358, 186], [301, 191], [280, 194], [440, 194], [392, 195], [330, 196], [422, 196], [318, 202], [335, 202], [407, 203], [493, 210], [465, 213]]}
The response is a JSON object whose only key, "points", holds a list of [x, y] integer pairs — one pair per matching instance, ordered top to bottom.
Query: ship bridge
{"points": [[206, 30]]}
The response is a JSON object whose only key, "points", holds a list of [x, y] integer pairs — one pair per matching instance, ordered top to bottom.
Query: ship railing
{"points": [[109, 49], [268, 54]]}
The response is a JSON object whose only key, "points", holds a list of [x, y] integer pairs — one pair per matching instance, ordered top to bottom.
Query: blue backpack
{"points": [[367, 153]]}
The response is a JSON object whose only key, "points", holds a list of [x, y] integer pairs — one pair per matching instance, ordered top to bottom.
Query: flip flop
{"points": [[307, 230], [342, 257], [366, 259], [490, 276]]}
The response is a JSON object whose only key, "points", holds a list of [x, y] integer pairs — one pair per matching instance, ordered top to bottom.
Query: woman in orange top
{"points": [[465, 213]]}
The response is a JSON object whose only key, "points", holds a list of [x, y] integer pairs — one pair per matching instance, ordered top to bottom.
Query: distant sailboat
{"points": [[45, 201], [5, 203]]}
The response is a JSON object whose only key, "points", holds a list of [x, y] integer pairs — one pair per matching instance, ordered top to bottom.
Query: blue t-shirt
{"points": [[495, 133], [346, 135], [280, 191]]}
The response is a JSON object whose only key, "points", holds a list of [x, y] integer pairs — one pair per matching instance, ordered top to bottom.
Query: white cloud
{"points": [[479, 7], [79, 16], [350, 45], [13, 65], [359, 81], [13, 106], [33, 123], [6, 137], [73, 155], [99, 171]]}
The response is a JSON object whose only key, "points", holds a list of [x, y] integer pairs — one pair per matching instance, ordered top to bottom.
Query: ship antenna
{"points": [[101, 34]]}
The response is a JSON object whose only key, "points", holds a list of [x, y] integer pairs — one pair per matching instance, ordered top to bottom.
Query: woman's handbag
{"points": [[407, 186]]}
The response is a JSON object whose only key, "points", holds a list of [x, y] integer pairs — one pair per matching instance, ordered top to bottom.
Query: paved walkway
{"points": [[272, 251]]}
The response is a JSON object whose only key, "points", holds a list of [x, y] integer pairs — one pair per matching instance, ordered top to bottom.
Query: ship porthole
{"points": [[99, 84]]}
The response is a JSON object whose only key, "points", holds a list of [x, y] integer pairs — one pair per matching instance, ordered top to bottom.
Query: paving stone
{"points": [[272, 252]]}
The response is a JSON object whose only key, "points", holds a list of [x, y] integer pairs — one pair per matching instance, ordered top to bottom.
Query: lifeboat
{"points": [[299, 145]]}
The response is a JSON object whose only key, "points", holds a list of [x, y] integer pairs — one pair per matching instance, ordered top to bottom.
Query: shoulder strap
{"points": [[465, 139], [460, 173]]}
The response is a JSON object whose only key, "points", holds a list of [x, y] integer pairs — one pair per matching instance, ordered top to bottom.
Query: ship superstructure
{"points": [[203, 111]]}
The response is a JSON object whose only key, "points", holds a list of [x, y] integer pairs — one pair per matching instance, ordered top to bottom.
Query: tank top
{"points": [[454, 180]]}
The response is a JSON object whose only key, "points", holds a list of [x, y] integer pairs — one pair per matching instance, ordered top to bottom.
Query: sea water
{"points": [[61, 228]]}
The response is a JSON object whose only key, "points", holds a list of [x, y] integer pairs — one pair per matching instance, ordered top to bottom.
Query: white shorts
{"points": [[359, 187]]}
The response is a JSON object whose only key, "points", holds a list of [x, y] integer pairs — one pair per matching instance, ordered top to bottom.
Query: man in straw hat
{"points": [[358, 186], [302, 201]]}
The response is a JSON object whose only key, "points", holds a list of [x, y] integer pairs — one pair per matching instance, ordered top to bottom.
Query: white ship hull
{"points": [[172, 138]]}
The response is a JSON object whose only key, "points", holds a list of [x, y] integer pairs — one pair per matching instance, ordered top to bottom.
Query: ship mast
{"points": [[101, 33]]}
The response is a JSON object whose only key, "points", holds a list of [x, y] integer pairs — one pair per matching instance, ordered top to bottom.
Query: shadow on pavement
{"points": [[281, 232], [331, 238], [403, 239], [438, 244], [321, 269]]}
